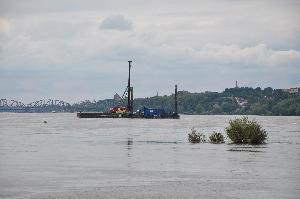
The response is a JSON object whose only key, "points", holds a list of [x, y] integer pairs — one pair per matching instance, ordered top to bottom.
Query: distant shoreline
{"points": [[232, 101]]}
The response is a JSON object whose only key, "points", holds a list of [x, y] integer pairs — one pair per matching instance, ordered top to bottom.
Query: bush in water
{"points": [[244, 131], [195, 137], [216, 138]]}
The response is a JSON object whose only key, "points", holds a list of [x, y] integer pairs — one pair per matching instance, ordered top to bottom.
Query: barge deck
{"points": [[114, 115]]}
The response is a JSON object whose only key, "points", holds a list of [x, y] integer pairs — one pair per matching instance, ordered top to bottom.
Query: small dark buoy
{"points": [[45, 122]]}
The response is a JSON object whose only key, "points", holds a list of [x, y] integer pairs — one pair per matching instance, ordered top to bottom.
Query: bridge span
{"points": [[49, 105]]}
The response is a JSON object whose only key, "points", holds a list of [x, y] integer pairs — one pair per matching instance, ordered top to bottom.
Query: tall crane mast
{"points": [[129, 92]]}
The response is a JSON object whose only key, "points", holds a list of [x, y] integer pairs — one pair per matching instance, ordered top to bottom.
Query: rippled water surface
{"points": [[68, 157]]}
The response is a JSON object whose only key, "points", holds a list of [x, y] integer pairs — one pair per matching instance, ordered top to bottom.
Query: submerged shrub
{"points": [[244, 131], [195, 137], [216, 138]]}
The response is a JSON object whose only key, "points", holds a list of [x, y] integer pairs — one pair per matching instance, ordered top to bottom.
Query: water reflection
{"points": [[129, 143], [247, 148], [129, 151]]}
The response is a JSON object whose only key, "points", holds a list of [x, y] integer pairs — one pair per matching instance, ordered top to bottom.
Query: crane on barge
{"points": [[129, 93], [127, 112]]}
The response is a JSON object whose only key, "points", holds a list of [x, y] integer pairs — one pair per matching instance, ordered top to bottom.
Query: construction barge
{"points": [[127, 112]]}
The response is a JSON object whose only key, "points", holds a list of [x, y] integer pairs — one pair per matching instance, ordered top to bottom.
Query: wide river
{"points": [[68, 157]]}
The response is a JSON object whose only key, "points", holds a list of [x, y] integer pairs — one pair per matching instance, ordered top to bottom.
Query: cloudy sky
{"points": [[74, 50]]}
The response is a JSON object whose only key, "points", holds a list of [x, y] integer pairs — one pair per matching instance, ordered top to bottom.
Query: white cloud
{"points": [[259, 55]]}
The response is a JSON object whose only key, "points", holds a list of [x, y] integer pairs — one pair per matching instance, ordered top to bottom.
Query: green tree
{"points": [[199, 109]]}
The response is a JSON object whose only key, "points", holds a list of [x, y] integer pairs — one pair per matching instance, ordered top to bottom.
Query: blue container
{"points": [[153, 112]]}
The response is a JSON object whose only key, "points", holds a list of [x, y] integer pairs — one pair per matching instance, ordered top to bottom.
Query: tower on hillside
{"points": [[117, 96]]}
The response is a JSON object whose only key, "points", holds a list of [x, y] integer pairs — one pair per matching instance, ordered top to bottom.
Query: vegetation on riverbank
{"points": [[233, 101]]}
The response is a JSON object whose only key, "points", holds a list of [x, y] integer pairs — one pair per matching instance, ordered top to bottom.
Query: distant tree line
{"points": [[239, 101]]}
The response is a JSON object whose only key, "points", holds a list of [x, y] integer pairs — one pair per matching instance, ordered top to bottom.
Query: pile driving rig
{"points": [[127, 112]]}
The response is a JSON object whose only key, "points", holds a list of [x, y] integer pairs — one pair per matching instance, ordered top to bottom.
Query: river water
{"points": [[68, 157]]}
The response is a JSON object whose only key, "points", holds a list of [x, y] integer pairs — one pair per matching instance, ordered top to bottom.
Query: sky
{"points": [[74, 50]]}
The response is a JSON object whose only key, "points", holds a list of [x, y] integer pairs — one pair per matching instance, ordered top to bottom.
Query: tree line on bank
{"points": [[232, 101]]}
